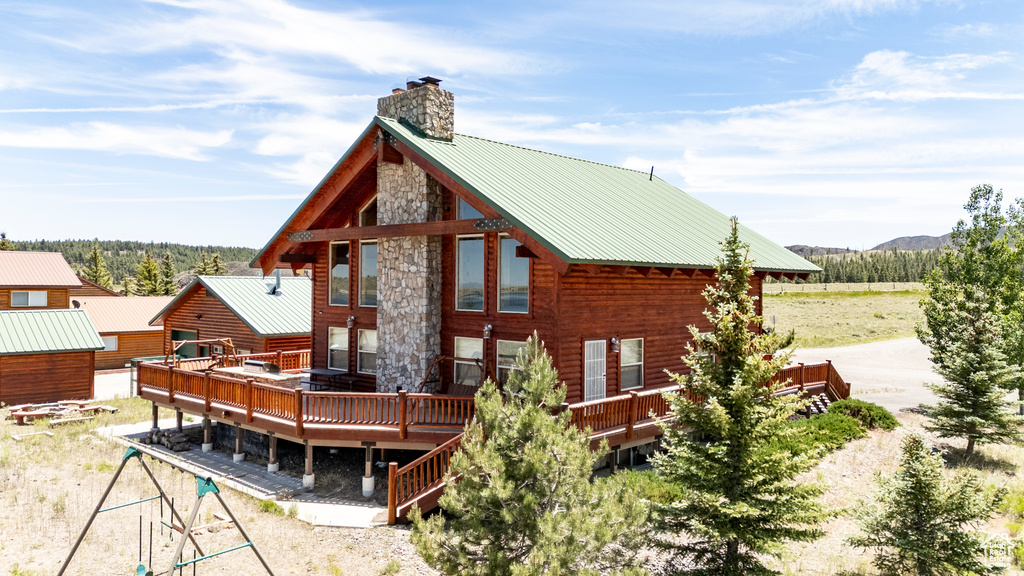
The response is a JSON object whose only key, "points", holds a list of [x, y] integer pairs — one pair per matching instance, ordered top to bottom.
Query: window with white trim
{"points": [[368, 273], [339, 274], [513, 277], [469, 285], [28, 298], [109, 343], [337, 349], [508, 355], [367, 358], [631, 363], [468, 373]]}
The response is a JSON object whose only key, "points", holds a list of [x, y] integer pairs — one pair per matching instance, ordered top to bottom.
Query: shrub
{"points": [[870, 415], [820, 434], [648, 485], [271, 507]]}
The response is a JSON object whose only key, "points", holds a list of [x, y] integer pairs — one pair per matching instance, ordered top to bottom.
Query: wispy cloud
{"points": [[120, 139]]}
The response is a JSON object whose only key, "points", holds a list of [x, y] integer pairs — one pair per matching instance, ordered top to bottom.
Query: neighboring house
{"points": [[424, 242], [35, 280], [92, 289], [242, 308], [123, 325], [46, 356]]}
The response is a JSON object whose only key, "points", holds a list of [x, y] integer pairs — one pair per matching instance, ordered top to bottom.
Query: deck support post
{"points": [[170, 384], [206, 389], [403, 414], [177, 419], [156, 422], [207, 434], [239, 438], [615, 460], [273, 465], [307, 476], [368, 480], [392, 493]]}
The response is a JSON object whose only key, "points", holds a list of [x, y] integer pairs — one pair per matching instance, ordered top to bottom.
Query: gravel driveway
{"points": [[891, 373]]}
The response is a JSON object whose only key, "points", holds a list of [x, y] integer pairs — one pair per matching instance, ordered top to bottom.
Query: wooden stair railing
{"points": [[420, 481]]}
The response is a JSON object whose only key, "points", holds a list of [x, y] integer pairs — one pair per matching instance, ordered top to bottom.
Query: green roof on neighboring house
{"points": [[590, 213], [248, 297], [45, 331]]}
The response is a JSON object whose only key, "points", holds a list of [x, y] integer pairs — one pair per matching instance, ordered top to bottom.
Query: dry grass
{"points": [[787, 288], [827, 319], [50, 485]]}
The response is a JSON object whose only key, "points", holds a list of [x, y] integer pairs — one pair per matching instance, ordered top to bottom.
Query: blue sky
{"points": [[832, 122]]}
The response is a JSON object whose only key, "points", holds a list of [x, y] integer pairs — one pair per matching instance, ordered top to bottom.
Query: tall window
{"points": [[467, 212], [368, 215], [368, 273], [339, 274], [513, 278], [470, 289], [34, 298], [337, 348], [368, 351], [508, 352], [632, 363], [468, 373]]}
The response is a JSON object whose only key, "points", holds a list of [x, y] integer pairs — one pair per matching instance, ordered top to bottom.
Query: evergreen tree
{"points": [[5, 244], [987, 257], [216, 266], [203, 267], [96, 270], [147, 278], [128, 286], [167, 286], [972, 401], [740, 494], [525, 504], [921, 523]]}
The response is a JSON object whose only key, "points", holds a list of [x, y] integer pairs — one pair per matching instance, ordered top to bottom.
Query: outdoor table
{"points": [[334, 379]]}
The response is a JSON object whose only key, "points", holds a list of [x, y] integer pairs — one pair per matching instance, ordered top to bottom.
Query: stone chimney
{"points": [[409, 269]]}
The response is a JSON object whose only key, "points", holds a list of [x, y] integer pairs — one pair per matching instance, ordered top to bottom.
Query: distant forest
{"points": [[123, 257], [882, 266]]}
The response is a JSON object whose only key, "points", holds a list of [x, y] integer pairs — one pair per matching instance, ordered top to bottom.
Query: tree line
{"points": [[123, 257], [885, 266]]}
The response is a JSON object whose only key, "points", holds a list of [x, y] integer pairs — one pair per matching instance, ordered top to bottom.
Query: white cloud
{"points": [[886, 73], [178, 142]]}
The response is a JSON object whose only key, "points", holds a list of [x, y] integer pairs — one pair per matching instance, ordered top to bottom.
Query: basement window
{"points": [[339, 274], [469, 293], [28, 298], [337, 352], [368, 352], [632, 363], [468, 373]]}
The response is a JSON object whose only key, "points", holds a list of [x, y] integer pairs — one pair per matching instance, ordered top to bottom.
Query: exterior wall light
{"points": [[351, 321], [487, 332], [615, 345]]}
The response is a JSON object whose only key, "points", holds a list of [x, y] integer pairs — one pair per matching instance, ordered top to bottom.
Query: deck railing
{"points": [[289, 361], [413, 480]]}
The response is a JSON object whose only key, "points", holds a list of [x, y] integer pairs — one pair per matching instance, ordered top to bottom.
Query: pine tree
{"points": [[5, 244], [216, 266], [203, 267], [96, 269], [147, 278], [128, 286], [167, 286], [972, 400], [740, 494], [525, 504], [921, 523]]}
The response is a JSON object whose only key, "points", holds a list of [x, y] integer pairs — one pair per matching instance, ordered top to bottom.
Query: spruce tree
{"points": [[96, 268], [147, 278], [167, 286], [972, 400], [740, 497], [525, 503], [921, 523]]}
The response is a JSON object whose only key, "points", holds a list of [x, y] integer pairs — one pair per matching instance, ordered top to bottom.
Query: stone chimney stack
{"points": [[409, 269]]}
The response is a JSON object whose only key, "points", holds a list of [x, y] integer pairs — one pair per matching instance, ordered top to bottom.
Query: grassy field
{"points": [[839, 318]]}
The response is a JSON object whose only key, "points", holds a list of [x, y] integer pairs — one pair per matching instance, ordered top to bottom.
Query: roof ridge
{"points": [[566, 156]]}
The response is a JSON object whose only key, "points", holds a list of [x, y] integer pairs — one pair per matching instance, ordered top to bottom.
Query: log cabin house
{"points": [[434, 257], [35, 281], [257, 315], [123, 325], [46, 355]]}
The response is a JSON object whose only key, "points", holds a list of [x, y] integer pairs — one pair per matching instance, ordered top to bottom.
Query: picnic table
{"points": [[331, 379]]}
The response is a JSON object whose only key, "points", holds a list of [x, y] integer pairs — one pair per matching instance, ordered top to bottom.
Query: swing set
{"points": [[204, 486]]}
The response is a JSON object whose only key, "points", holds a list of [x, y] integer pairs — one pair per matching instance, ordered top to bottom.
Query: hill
{"points": [[915, 243], [805, 251], [123, 256]]}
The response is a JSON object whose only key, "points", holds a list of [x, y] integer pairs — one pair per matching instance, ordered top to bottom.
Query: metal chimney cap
{"points": [[430, 80]]}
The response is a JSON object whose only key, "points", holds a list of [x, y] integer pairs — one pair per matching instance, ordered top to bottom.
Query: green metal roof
{"points": [[590, 213], [267, 315], [43, 331]]}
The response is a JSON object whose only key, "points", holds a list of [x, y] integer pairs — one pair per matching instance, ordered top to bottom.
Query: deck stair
{"points": [[819, 405]]}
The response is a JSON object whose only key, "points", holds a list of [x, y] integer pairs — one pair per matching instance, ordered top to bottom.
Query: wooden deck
{"points": [[431, 422]]}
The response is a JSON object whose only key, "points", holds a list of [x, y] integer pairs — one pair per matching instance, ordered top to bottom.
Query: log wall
{"points": [[55, 298], [130, 345], [39, 378]]}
